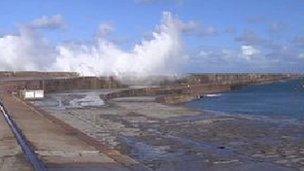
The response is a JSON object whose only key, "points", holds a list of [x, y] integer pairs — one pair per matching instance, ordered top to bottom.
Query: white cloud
{"points": [[145, 1], [158, 1], [46, 22], [276, 26], [187, 27], [196, 28], [105, 29], [210, 30], [250, 38], [299, 41], [248, 51], [162, 53], [203, 53]]}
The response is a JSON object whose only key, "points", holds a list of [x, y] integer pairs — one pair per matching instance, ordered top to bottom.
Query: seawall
{"points": [[58, 84], [197, 85], [170, 91]]}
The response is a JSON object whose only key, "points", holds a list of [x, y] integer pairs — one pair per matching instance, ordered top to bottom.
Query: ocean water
{"points": [[277, 100]]}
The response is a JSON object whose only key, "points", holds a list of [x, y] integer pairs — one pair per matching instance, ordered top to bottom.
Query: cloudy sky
{"points": [[152, 36]]}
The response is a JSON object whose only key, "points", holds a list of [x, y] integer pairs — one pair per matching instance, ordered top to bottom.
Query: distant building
{"points": [[32, 94]]}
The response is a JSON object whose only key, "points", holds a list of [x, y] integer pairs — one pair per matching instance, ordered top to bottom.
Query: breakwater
{"points": [[60, 84], [197, 85], [168, 91]]}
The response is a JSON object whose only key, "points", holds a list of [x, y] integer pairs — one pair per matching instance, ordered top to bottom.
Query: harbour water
{"points": [[277, 100]]}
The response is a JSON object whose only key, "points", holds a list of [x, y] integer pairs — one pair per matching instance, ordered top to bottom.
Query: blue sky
{"points": [[267, 36]]}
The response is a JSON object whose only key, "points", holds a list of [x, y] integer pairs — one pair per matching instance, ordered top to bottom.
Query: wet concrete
{"points": [[163, 137], [11, 156]]}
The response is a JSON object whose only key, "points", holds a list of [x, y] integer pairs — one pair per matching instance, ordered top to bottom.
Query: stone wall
{"points": [[23, 74], [229, 78], [81, 83], [61, 84], [196, 86], [184, 89], [193, 92]]}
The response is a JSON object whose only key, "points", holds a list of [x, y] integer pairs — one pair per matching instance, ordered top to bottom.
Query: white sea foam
{"points": [[161, 54], [213, 95]]}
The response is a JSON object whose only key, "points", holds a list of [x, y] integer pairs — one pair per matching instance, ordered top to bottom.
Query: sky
{"points": [[152, 36]]}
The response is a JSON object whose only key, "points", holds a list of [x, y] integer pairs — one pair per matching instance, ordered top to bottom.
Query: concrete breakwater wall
{"points": [[34, 74], [233, 78], [82, 83], [60, 84], [199, 85], [196, 86], [173, 91], [193, 92], [171, 94]]}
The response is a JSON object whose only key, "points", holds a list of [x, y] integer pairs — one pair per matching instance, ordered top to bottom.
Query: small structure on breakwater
{"points": [[31, 94]]}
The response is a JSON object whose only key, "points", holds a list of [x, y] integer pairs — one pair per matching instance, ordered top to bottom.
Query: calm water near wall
{"points": [[277, 100]]}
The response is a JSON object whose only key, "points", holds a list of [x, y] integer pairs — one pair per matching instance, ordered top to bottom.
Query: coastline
{"points": [[135, 130]]}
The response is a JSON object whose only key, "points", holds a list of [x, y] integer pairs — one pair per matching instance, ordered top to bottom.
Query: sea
{"points": [[281, 100]]}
